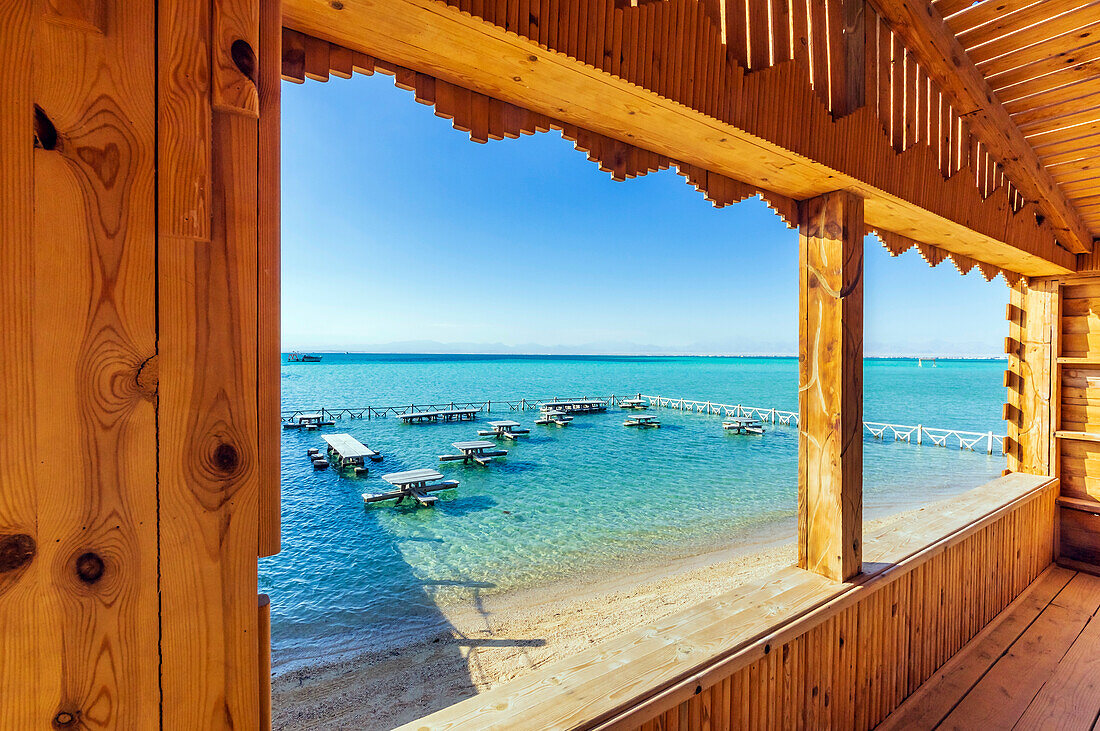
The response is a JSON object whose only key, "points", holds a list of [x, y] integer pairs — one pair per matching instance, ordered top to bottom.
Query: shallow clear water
{"points": [[569, 503]]}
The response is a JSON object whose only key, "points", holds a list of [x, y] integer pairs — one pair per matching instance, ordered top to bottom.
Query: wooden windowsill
{"points": [[1076, 503], [665, 662]]}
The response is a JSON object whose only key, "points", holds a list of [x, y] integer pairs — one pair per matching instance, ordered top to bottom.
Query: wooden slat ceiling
{"points": [[1042, 60]]}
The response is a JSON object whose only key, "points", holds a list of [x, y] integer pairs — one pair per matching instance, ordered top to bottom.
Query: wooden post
{"points": [[217, 239], [1033, 324], [830, 378]]}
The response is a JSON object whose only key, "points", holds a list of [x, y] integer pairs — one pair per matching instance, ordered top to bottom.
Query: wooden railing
{"points": [[797, 649]]}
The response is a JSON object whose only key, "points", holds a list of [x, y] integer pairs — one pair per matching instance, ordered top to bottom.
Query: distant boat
{"points": [[300, 358]]}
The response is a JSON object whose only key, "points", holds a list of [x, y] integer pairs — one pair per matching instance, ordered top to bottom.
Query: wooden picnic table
{"points": [[415, 484]]}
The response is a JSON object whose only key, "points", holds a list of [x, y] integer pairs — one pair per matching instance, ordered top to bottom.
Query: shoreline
{"points": [[499, 637]]}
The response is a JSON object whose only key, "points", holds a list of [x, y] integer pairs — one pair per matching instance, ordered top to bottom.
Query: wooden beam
{"points": [[923, 30], [433, 38], [830, 385]]}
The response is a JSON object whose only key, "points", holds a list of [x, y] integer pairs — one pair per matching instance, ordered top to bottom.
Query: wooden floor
{"points": [[1036, 666]]}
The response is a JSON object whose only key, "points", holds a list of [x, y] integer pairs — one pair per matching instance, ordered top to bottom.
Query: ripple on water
{"points": [[590, 499]]}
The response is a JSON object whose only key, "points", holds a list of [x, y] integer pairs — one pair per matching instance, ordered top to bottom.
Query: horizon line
{"points": [[908, 356]]}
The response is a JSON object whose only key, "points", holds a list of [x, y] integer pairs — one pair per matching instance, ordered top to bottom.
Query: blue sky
{"points": [[399, 230]]}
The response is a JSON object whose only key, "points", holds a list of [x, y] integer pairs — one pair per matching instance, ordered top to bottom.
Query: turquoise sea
{"points": [[569, 504]]}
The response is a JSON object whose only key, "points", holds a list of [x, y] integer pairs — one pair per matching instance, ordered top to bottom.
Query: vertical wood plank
{"points": [[236, 36], [853, 84], [268, 250], [93, 352], [210, 462], [209, 471], [830, 499], [30, 694]]}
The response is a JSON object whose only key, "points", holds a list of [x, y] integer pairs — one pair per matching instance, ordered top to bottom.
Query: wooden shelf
{"points": [[1079, 361], [1079, 436], [1076, 503]]}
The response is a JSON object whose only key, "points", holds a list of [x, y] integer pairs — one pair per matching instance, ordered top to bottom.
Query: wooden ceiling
{"points": [[1042, 61], [957, 150]]}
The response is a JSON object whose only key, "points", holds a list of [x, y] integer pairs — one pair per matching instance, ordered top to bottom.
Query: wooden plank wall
{"points": [[777, 78], [1076, 446], [129, 458], [857, 665]]}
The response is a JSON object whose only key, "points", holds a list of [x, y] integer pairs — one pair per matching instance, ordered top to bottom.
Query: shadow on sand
{"points": [[394, 681]]}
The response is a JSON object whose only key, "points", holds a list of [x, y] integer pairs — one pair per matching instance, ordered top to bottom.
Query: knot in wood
{"points": [[337, 5], [244, 58], [45, 134], [148, 378], [226, 458], [16, 551], [90, 567], [64, 719]]}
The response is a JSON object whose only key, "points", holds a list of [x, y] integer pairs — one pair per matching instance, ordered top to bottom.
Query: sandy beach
{"points": [[499, 638]]}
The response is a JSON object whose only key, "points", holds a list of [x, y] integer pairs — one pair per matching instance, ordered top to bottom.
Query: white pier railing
{"points": [[919, 434]]}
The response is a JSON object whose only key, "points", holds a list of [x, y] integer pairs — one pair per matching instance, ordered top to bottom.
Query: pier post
{"points": [[830, 379], [920, 433], [989, 444]]}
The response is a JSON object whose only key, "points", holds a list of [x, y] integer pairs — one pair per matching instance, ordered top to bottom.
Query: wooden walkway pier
{"points": [[576, 406], [420, 417], [644, 421], [743, 425], [505, 429], [347, 451], [479, 451], [414, 484]]}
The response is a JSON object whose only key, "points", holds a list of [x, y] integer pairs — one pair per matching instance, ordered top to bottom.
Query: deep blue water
{"points": [[570, 503]]}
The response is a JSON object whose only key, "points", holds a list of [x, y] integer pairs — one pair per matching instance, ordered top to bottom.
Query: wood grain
{"points": [[234, 42], [268, 285], [1032, 329], [91, 353], [830, 368], [209, 445], [209, 450], [28, 640]]}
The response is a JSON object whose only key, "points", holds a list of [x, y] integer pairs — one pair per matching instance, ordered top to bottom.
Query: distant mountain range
{"points": [[939, 349]]}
